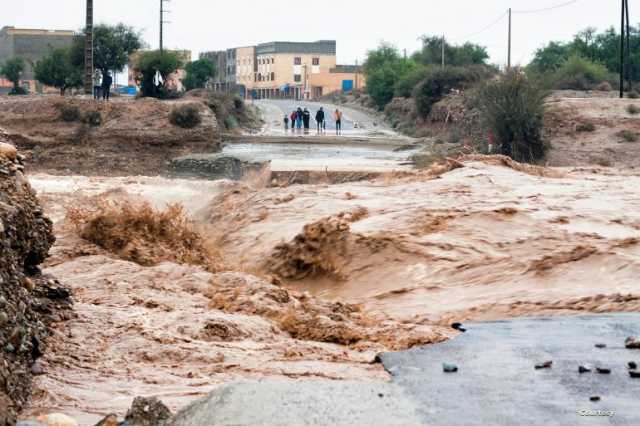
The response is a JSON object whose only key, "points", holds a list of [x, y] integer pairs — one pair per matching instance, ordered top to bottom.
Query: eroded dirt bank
{"points": [[479, 239]]}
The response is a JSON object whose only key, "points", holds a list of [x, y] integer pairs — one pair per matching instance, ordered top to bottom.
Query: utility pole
{"points": [[162, 22], [622, 36], [88, 50], [442, 50], [509, 54], [628, 61], [357, 71]]}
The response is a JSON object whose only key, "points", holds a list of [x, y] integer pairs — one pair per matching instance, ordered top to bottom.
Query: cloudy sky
{"points": [[357, 25]]}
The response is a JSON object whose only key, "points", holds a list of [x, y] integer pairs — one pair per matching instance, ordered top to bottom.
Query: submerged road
{"points": [[496, 383]]}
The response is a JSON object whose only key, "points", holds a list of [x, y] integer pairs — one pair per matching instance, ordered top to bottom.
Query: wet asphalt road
{"points": [[498, 385]]}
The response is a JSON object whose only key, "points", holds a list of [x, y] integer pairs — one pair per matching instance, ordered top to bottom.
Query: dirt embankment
{"points": [[118, 138], [29, 301]]}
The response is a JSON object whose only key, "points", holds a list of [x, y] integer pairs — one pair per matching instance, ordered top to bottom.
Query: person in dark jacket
{"points": [[107, 81], [294, 117], [306, 119], [320, 120]]}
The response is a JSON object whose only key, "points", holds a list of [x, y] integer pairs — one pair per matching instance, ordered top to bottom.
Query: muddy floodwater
{"points": [[483, 239]]}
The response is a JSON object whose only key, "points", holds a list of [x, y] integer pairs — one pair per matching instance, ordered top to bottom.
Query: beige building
{"points": [[344, 78]]}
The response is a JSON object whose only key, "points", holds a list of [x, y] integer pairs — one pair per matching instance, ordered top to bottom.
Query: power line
{"points": [[558, 6], [488, 27]]}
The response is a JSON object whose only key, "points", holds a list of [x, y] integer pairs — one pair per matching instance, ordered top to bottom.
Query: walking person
{"points": [[107, 81], [97, 84], [337, 116], [293, 117], [299, 119], [306, 119], [320, 120], [286, 123]]}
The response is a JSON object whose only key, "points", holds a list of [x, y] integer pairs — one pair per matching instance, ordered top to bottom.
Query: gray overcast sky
{"points": [[357, 25]]}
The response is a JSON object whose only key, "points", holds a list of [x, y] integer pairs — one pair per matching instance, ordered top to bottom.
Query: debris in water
{"points": [[458, 326], [600, 345], [633, 365], [584, 369], [602, 370], [635, 374], [595, 398], [57, 419], [110, 420]]}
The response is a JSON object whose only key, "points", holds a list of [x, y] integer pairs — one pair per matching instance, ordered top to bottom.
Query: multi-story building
{"points": [[31, 45], [219, 58], [284, 69]]}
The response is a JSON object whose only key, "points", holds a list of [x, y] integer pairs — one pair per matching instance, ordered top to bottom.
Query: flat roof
{"points": [[35, 31], [326, 47]]}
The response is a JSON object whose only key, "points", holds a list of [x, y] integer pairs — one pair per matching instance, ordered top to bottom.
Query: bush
{"points": [[146, 67], [580, 74], [405, 84], [437, 84], [605, 86], [18, 91], [633, 95], [238, 103], [513, 108], [633, 110], [70, 113], [185, 116], [92, 118], [230, 122], [585, 127], [628, 136]]}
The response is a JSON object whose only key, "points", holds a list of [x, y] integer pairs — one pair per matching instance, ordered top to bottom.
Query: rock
{"points": [[8, 151], [216, 166], [28, 284], [4, 318], [459, 327], [632, 343], [600, 345], [544, 365], [633, 365], [449, 368], [37, 369], [584, 369], [602, 370], [635, 374], [595, 398], [147, 412], [57, 419], [110, 420], [29, 423]]}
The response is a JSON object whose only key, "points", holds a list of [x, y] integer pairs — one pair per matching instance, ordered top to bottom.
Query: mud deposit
{"points": [[316, 279]]}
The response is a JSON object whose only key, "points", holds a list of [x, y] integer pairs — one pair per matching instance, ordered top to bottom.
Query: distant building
{"points": [[31, 45], [220, 59], [341, 78]]}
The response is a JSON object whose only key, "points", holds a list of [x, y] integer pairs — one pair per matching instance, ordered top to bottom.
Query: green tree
{"points": [[112, 47], [457, 56], [550, 57], [151, 62], [383, 69], [11, 70], [58, 70], [198, 73]]}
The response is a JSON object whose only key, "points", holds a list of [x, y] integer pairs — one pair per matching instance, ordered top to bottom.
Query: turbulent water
{"points": [[482, 241]]}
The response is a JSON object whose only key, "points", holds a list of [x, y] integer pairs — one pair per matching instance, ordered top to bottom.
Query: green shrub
{"points": [[578, 73], [406, 83], [437, 84], [238, 103], [512, 108], [633, 109], [70, 113], [185, 116], [92, 118], [230, 122], [585, 127], [628, 136]]}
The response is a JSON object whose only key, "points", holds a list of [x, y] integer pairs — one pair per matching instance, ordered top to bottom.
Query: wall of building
{"points": [[326, 83]]}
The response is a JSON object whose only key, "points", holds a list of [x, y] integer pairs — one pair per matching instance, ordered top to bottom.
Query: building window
{"points": [[297, 61], [316, 61], [273, 76], [259, 77], [297, 78]]}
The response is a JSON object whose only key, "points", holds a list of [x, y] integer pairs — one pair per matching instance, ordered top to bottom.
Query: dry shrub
{"points": [[633, 109], [185, 116], [503, 160], [141, 234]]}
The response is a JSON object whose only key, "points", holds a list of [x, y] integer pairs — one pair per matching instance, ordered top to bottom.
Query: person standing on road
{"points": [[107, 80], [97, 84], [294, 116], [337, 116], [299, 118], [306, 119], [320, 120], [286, 123]]}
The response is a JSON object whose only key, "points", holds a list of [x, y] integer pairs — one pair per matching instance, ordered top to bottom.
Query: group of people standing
{"points": [[102, 82], [301, 118]]}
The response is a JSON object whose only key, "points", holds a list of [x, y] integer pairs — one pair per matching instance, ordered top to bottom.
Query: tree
{"points": [[112, 47], [457, 56], [550, 57], [149, 64], [383, 69], [11, 70], [57, 70], [198, 73]]}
